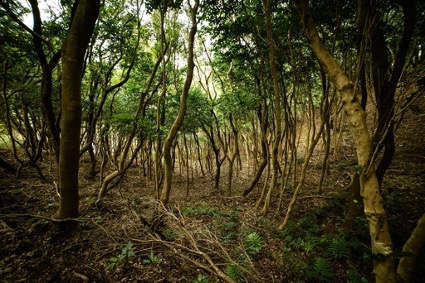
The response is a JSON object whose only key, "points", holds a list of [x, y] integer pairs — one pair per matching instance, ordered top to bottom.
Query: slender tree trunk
{"points": [[73, 50], [47, 81], [277, 107], [263, 117], [8, 122], [327, 134], [186, 150], [198, 151], [232, 154], [165, 195]]}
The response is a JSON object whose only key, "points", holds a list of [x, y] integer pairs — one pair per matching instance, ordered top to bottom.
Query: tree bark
{"points": [[73, 50], [47, 81], [277, 107], [165, 195], [373, 204], [412, 246]]}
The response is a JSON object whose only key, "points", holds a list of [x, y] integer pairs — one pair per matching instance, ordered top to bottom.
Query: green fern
{"points": [[307, 221], [253, 243], [296, 244], [305, 245], [308, 246], [339, 248], [323, 268], [320, 271], [235, 272]]}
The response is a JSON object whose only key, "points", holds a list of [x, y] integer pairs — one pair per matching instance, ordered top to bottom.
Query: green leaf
{"points": [[358, 169]]}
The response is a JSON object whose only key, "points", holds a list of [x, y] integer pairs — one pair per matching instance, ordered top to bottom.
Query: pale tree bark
{"points": [[73, 50], [165, 194], [412, 246], [384, 268]]}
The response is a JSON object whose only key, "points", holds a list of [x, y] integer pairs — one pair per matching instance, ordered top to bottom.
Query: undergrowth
{"points": [[314, 247]]}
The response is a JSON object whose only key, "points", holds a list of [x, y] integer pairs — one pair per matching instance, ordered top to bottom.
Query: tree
{"points": [[112, 49], [73, 51], [385, 76], [21, 79], [165, 195], [384, 268]]}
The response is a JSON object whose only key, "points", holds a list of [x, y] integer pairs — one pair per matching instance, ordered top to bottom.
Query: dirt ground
{"points": [[127, 237]]}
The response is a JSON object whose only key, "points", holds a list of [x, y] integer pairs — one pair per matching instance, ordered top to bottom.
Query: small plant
{"points": [[202, 210], [307, 221], [264, 222], [309, 224], [229, 225], [290, 231], [170, 235], [228, 236], [253, 243], [300, 244], [308, 246], [339, 248], [122, 259], [152, 259], [323, 268], [320, 271], [235, 272], [354, 277], [200, 279]]}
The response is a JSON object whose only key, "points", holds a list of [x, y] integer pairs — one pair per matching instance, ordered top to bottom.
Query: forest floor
{"points": [[209, 236]]}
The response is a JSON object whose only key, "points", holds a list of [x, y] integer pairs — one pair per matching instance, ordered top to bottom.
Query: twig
{"points": [[315, 196], [45, 217], [3, 225], [204, 247], [198, 252], [80, 276]]}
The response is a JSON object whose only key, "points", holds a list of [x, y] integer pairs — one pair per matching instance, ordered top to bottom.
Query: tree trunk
{"points": [[73, 50], [47, 81], [277, 106], [198, 150], [165, 195], [373, 204], [355, 207], [412, 246]]}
